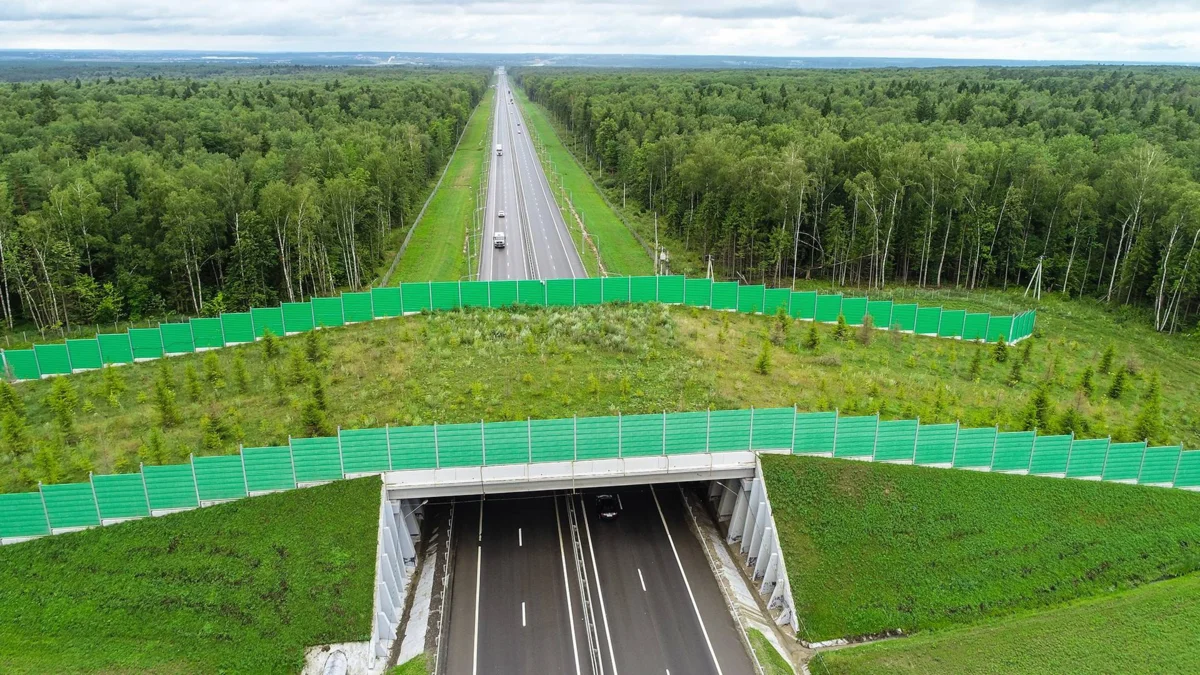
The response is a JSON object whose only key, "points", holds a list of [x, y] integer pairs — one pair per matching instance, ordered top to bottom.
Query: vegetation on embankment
{"points": [[438, 248], [620, 251], [514, 364], [873, 548], [237, 587], [1151, 629]]}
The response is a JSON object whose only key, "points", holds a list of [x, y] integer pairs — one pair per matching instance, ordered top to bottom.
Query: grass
{"points": [[619, 249], [437, 250], [466, 366], [872, 548], [238, 587], [1146, 630], [772, 662], [418, 665]]}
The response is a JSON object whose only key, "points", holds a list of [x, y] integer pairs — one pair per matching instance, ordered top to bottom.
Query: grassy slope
{"points": [[436, 251], [621, 252], [597, 360], [875, 547], [239, 587], [1146, 630], [771, 660], [414, 666]]}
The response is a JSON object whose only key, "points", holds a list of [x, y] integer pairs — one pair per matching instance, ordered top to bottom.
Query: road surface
{"points": [[538, 243], [518, 604]]}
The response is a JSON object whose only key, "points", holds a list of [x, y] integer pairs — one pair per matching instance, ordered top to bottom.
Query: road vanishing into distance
{"points": [[539, 246], [532, 572]]}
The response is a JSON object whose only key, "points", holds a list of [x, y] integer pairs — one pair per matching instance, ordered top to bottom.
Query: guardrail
{"points": [[233, 328]]}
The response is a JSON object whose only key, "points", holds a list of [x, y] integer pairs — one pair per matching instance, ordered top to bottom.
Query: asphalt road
{"points": [[538, 243], [516, 605]]}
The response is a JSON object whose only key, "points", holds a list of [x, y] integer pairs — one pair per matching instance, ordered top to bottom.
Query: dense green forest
{"points": [[944, 177], [136, 197]]}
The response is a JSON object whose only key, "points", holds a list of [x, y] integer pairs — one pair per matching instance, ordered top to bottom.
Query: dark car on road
{"points": [[607, 507]]}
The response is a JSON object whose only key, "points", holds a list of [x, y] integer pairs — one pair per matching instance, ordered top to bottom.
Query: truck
{"points": [[499, 149], [498, 239]]}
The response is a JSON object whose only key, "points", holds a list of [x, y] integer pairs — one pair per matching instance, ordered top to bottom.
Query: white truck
{"points": [[499, 149], [498, 239]]}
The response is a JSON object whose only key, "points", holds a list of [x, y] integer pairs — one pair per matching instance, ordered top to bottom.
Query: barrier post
{"points": [[795, 412], [837, 413], [752, 423], [708, 432], [619, 434], [664, 434], [575, 435], [529, 437], [916, 438], [387, 440], [483, 442], [995, 442], [875, 445], [1071, 449], [954, 452], [437, 457], [341, 458], [292, 459], [192, 463], [1142, 463], [1104, 465], [1029, 467], [1175, 477], [245, 478], [146, 490], [95, 500], [45, 511]]}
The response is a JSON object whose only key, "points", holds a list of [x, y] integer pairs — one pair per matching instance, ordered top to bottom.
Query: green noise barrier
{"points": [[233, 328], [157, 490]]}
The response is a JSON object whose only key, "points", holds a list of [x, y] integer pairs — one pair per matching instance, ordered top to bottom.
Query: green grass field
{"points": [[437, 250], [620, 251], [464, 366], [872, 548], [242, 587], [1151, 629], [772, 662], [418, 665]]}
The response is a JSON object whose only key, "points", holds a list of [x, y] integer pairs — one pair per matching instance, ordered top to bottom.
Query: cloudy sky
{"points": [[1128, 30]]}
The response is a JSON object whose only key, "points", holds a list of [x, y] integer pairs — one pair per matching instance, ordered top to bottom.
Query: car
{"points": [[518, 131], [500, 214], [498, 240], [607, 507]]}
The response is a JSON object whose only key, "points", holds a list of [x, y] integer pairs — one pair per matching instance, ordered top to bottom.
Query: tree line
{"points": [[964, 177], [135, 197]]}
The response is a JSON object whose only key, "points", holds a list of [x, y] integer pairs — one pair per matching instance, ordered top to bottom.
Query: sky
{"points": [[1107, 30]]}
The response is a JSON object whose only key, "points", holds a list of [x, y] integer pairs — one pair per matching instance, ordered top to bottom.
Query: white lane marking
{"points": [[619, 504], [520, 540], [562, 551], [478, 568], [596, 570], [642, 579], [686, 585], [522, 613]]}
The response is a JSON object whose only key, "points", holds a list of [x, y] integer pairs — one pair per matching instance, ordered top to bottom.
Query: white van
{"points": [[498, 239]]}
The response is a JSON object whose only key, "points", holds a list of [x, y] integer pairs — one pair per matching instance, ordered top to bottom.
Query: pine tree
{"points": [[782, 327], [841, 332], [866, 332], [813, 339], [270, 345], [314, 347], [1000, 352], [1027, 352], [1106, 360], [762, 365], [298, 366], [212, 369], [976, 371], [1014, 373], [241, 377], [191, 383], [1118, 384], [114, 385], [1086, 386], [316, 389], [164, 397], [10, 400], [63, 401], [1040, 411], [313, 420], [1072, 421], [1149, 423], [15, 434], [210, 437], [153, 451]]}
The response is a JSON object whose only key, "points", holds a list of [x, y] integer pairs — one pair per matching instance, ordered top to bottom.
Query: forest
{"points": [[961, 177], [138, 197]]}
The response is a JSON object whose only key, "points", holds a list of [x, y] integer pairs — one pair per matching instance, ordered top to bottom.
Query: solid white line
{"points": [[619, 504], [520, 540], [562, 551], [596, 570], [642, 579], [686, 585], [522, 613], [475, 645]]}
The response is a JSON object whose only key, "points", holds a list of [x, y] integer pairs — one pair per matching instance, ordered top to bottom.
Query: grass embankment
{"points": [[437, 250], [619, 250], [461, 367], [872, 548], [238, 587], [1146, 630], [768, 656], [414, 666]]}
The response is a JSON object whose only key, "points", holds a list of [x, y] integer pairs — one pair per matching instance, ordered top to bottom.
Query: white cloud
{"points": [[1147, 30]]}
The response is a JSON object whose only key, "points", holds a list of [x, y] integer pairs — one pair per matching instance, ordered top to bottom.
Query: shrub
{"points": [[782, 326], [841, 332], [314, 347], [1000, 352], [1027, 352], [212, 369], [975, 373], [1014, 374], [241, 377], [191, 383], [1086, 386], [164, 397], [10, 400], [63, 400], [1039, 412], [1149, 424], [14, 432], [153, 450]]}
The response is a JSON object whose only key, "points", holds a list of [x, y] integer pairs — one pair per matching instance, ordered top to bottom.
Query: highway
{"points": [[538, 243], [518, 601]]}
